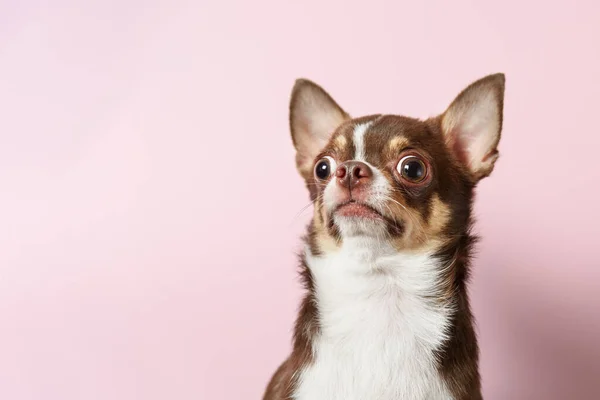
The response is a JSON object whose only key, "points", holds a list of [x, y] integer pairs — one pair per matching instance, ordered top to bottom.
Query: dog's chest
{"points": [[379, 333]]}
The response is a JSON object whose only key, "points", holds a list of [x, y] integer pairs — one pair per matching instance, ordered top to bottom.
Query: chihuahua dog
{"points": [[386, 314]]}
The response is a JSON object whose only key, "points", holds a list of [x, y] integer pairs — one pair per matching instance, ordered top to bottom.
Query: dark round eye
{"points": [[324, 168], [412, 168]]}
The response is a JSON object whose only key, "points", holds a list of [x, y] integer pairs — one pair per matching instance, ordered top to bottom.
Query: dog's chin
{"points": [[355, 219], [350, 226]]}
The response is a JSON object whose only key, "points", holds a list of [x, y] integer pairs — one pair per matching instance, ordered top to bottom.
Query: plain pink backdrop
{"points": [[149, 201]]}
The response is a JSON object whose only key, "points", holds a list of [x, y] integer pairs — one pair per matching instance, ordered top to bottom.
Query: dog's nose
{"points": [[353, 173]]}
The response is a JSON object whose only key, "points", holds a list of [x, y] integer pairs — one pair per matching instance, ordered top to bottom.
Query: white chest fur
{"points": [[379, 331]]}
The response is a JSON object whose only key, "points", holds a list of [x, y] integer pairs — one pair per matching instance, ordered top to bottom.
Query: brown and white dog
{"points": [[386, 315]]}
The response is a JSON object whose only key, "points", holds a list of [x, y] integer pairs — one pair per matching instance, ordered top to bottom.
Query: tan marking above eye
{"points": [[341, 141], [397, 144]]}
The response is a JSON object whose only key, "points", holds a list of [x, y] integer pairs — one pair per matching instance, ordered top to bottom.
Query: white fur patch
{"points": [[359, 140], [379, 330]]}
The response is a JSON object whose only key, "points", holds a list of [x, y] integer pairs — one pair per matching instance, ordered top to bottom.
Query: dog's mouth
{"points": [[355, 209], [361, 211]]}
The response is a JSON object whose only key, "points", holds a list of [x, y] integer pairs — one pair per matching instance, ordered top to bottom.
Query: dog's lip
{"points": [[353, 208]]}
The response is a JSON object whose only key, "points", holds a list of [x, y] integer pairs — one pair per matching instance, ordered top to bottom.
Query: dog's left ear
{"points": [[314, 116], [473, 123]]}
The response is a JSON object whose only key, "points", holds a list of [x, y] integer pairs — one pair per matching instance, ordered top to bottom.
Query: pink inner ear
{"points": [[475, 134], [458, 148], [489, 155], [302, 160]]}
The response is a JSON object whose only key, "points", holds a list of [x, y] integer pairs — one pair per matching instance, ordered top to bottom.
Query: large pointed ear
{"points": [[314, 116], [473, 122]]}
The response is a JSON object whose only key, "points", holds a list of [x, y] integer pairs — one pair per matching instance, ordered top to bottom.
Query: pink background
{"points": [[149, 197]]}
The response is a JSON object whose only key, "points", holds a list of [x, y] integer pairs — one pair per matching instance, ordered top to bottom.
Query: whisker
{"points": [[306, 207], [393, 219], [413, 219]]}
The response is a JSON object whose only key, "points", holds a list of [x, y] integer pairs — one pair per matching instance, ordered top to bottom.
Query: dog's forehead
{"points": [[376, 136]]}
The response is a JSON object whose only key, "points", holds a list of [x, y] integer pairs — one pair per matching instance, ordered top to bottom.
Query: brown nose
{"points": [[353, 173]]}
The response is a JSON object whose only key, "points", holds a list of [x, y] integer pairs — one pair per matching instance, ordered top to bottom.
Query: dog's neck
{"points": [[367, 274], [378, 309], [389, 314]]}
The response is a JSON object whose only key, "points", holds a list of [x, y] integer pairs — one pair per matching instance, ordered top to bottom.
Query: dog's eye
{"points": [[324, 168], [412, 168]]}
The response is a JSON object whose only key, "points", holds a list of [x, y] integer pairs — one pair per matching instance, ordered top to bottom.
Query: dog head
{"points": [[402, 180]]}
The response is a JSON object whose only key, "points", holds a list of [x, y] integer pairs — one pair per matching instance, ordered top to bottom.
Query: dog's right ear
{"points": [[314, 116], [473, 123]]}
